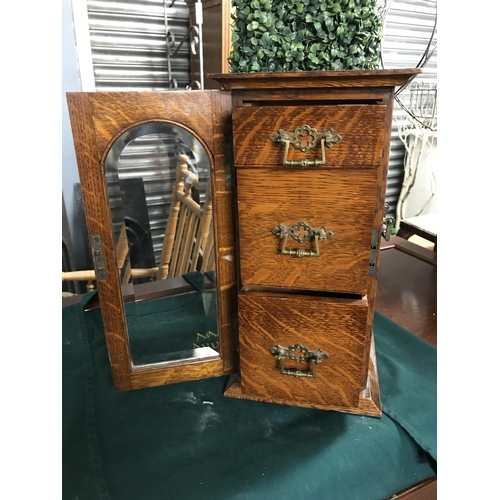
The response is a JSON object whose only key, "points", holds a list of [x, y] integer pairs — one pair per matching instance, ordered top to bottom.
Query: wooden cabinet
{"points": [[310, 159], [300, 160]]}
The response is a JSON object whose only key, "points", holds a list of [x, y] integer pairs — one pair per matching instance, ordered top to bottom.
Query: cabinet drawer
{"points": [[361, 128], [341, 200], [337, 327]]}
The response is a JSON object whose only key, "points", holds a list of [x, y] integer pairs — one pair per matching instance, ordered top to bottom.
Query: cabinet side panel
{"points": [[378, 218], [224, 227]]}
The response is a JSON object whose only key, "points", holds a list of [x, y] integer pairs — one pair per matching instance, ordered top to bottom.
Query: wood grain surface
{"points": [[315, 79], [309, 96], [116, 112], [98, 120], [360, 126], [346, 195], [342, 200], [98, 220], [224, 222], [335, 326], [173, 373], [369, 397], [369, 400], [423, 490]]}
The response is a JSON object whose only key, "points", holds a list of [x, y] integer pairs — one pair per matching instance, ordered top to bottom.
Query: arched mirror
{"points": [[159, 193], [158, 204]]}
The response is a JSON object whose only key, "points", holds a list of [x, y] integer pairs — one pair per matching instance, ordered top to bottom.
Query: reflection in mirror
{"points": [[159, 191]]}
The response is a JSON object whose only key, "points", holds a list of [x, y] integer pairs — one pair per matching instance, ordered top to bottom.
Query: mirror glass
{"points": [[159, 192]]}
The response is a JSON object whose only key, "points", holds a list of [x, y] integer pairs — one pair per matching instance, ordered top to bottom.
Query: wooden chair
{"points": [[188, 235], [188, 244]]}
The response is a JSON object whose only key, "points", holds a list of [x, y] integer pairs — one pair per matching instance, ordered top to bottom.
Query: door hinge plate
{"points": [[98, 257]]}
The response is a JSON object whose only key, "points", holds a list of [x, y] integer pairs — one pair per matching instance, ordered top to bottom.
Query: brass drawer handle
{"points": [[304, 139], [301, 232], [298, 353]]}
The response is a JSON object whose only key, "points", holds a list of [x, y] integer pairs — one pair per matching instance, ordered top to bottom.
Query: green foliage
{"points": [[304, 35]]}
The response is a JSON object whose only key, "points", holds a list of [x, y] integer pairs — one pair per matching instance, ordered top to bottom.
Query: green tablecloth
{"points": [[176, 323], [187, 441]]}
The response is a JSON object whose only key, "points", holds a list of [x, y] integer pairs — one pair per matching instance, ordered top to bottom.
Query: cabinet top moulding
{"points": [[315, 79]]}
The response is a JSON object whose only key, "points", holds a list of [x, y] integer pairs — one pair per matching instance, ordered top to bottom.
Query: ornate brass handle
{"points": [[308, 135], [301, 232], [298, 353]]}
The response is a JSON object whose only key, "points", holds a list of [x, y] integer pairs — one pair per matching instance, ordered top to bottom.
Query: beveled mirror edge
{"points": [[90, 160]]}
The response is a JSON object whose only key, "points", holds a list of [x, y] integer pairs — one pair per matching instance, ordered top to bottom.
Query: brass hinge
{"points": [[387, 224], [373, 252], [98, 257]]}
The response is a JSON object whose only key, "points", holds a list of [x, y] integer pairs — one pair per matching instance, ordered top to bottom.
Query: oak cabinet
{"points": [[311, 154], [289, 171]]}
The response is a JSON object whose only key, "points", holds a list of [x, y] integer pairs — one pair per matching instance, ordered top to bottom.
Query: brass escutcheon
{"points": [[308, 134], [298, 353]]}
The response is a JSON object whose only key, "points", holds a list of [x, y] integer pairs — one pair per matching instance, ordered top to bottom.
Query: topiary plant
{"points": [[304, 35]]}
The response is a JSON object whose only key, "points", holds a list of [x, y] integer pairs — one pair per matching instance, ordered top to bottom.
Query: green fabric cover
{"points": [[172, 324], [408, 381], [187, 441], [81, 463]]}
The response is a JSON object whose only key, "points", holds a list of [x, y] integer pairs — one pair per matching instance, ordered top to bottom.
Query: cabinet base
{"points": [[369, 397]]}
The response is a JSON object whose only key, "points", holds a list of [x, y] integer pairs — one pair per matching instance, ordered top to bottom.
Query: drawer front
{"points": [[361, 128], [343, 201], [336, 327]]}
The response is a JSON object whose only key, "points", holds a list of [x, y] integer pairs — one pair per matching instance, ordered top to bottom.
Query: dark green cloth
{"points": [[173, 324], [408, 381], [187, 441], [81, 463]]}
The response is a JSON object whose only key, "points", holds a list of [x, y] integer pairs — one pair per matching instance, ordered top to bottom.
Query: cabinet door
{"points": [[166, 319]]}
